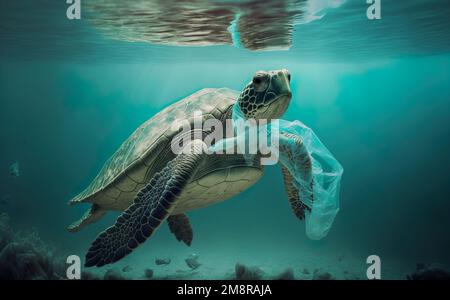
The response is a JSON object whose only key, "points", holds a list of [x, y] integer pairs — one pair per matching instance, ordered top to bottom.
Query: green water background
{"points": [[381, 109]]}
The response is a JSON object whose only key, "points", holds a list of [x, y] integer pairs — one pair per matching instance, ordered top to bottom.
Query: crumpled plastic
{"points": [[326, 170], [326, 173]]}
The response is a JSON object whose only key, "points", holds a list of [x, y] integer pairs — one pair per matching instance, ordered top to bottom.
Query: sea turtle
{"points": [[150, 183]]}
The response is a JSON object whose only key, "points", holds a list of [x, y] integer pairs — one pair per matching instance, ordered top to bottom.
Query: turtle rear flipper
{"points": [[151, 207], [92, 215], [179, 225]]}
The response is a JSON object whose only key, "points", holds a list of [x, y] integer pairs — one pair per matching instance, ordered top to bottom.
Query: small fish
{"points": [[14, 169]]}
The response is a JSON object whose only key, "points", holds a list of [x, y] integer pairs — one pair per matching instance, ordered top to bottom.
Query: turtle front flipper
{"points": [[297, 173], [151, 207], [179, 225]]}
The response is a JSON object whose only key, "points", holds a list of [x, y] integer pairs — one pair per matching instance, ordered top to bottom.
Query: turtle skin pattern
{"points": [[298, 204]]}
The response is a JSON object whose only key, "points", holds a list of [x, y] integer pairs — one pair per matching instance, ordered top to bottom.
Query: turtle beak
{"points": [[282, 83], [280, 86], [278, 95], [277, 108]]}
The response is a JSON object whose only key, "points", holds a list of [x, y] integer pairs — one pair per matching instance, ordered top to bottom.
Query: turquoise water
{"points": [[375, 92]]}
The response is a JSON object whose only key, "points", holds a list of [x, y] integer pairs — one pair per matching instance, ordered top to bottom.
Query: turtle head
{"points": [[267, 96]]}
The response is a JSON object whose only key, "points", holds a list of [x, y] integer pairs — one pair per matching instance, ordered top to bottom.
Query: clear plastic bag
{"points": [[326, 171], [326, 174]]}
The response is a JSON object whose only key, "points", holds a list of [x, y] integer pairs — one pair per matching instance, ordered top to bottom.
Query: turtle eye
{"points": [[289, 77], [260, 81]]}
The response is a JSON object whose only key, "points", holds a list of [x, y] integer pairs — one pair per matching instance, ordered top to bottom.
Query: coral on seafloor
{"points": [[6, 234], [23, 255], [162, 261], [192, 261], [243, 272], [425, 272], [148, 273], [113, 274], [287, 274], [86, 275], [321, 275]]}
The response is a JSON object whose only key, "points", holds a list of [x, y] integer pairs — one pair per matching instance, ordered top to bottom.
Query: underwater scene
{"points": [[356, 93]]}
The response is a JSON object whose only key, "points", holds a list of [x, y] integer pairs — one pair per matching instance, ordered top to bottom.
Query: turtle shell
{"points": [[125, 171]]}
